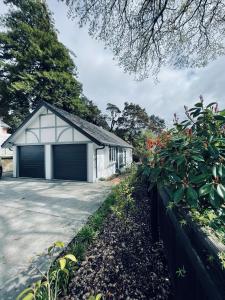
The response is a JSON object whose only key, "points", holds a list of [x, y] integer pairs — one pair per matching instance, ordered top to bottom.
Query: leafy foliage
{"points": [[35, 66], [114, 114], [133, 123], [141, 152], [190, 161], [124, 199], [212, 221], [221, 256], [181, 272], [54, 280]]}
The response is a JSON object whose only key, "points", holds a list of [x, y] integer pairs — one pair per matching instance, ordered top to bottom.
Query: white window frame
{"points": [[112, 154]]}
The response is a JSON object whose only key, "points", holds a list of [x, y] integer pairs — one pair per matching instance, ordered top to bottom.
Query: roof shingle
{"points": [[103, 136]]}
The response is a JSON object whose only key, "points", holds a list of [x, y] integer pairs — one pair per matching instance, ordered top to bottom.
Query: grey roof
{"points": [[97, 134], [103, 136]]}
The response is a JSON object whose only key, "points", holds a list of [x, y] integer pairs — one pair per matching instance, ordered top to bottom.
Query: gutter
{"points": [[96, 159]]}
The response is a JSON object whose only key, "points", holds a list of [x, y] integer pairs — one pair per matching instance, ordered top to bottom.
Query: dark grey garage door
{"points": [[31, 161], [70, 162]]}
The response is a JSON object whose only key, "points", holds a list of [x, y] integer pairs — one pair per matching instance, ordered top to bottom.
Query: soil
{"points": [[123, 262]]}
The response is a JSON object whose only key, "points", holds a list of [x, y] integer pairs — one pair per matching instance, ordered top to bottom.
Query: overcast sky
{"points": [[104, 81]]}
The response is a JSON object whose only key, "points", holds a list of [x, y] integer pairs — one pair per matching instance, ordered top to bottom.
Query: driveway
{"points": [[33, 215]]}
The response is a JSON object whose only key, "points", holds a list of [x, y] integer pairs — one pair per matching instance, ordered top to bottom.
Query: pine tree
{"points": [[34, 65]]}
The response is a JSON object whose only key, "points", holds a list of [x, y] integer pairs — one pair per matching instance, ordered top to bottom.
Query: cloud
{"points": [[104, 81]]}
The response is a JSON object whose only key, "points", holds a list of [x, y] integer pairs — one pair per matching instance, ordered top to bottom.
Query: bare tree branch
{"points": [[146, 34]]}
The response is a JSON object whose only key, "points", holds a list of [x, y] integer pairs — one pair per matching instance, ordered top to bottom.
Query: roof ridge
{"points": [[95, 133], [112, 135]]}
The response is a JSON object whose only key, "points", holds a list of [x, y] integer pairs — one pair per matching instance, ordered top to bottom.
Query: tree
{"points": [[147, 34], [34, 65], [93, 114], [114, 114], [132, 121], [156, 124]]}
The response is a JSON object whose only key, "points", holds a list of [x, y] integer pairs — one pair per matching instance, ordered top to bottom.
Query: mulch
{"points": [[123, 262]]}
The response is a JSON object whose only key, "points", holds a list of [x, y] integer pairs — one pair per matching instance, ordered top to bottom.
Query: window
{"points": [[112, 154]]}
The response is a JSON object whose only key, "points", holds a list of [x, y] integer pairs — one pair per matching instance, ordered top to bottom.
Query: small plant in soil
{"points": [[181, 272], [54, 280]]}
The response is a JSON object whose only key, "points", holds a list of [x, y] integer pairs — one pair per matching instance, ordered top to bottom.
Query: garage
{"points": [[52, 143], [31, 161], [70, 162]]}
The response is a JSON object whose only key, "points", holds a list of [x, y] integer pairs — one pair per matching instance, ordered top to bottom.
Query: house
{"points": [[54, 144], [4, 153]]}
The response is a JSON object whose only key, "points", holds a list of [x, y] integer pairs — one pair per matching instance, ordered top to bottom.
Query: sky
{"points": [[104, 81]]}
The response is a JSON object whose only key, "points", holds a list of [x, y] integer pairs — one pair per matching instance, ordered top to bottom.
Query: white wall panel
{"points": [[47, 120], [60, 122], [35, 123], [48, 131], [65, 134], [47, 135], [32, 136], [79, 137], [21, 138], [129, 156], [15, 161], [48, 162], [90, 163], [105, 168]]}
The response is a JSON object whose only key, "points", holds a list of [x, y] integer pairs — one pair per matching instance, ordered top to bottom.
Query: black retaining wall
{"points": [[188, 249]]}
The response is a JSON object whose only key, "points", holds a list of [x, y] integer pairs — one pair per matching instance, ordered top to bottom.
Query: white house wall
{"points": [[47, 128], [4, 152], [105, 168]]}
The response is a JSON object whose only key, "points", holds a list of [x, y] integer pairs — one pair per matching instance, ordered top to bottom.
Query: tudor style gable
{"points": [[46, 127]]}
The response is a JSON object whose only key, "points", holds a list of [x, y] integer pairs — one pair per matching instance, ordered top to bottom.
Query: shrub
{"points": [[189, 159], [123, 194]]}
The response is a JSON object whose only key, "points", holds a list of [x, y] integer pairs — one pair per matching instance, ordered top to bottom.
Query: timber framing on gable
{"points": [[36, 131]]}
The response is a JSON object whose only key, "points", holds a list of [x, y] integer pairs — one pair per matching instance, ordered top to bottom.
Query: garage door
{"points": [[31, 161], [70, 162]]}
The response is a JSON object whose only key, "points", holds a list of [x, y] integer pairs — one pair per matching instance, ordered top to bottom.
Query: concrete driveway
{"points": [[33, 215]]}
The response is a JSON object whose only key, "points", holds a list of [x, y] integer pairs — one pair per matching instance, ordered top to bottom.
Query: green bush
{"points": [[190, 164]]}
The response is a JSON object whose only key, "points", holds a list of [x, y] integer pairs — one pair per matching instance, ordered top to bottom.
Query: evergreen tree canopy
{"points": [[34, 65], [132, 122]]}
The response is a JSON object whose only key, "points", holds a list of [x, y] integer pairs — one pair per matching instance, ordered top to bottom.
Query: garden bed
{"points": [[113, 256], [123, 262]]}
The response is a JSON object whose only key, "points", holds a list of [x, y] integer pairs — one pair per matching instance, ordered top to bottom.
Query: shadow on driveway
{"points": [[33, 215]]}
